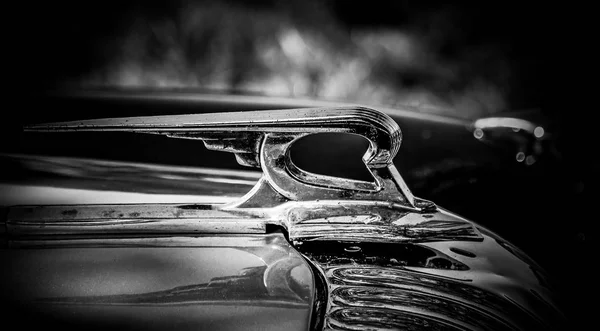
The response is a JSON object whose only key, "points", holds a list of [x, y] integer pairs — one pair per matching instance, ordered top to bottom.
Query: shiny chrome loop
{"points": [[263, 139], [300, 185]]}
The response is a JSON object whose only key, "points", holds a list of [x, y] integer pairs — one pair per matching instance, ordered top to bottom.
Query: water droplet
{"points": [[538, 132], [478, 133], [520, 157], [530, 160], [352, 249]]}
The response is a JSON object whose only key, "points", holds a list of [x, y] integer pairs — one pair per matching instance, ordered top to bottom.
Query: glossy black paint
{"points": [[243, 282]]}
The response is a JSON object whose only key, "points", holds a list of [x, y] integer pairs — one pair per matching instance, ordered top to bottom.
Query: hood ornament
{"points": [[263, 139], [308, 206]]}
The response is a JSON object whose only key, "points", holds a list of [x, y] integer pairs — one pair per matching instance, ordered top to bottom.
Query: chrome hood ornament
{"points": [[263, 139], [309, 206], [383, 258]]}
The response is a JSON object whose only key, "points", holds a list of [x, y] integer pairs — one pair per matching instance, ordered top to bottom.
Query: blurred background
{"points": [[465, 60]]}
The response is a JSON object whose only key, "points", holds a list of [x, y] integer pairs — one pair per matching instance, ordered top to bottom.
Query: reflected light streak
{"points": [[505, 122], [31, 195]]}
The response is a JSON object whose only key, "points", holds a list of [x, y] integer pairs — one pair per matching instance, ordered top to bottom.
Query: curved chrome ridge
{"points": [[510, 123], [263, 139]]}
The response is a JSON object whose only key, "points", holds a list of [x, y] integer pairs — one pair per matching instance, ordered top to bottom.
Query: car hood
{"points": [[34, 179], [486, 283]]}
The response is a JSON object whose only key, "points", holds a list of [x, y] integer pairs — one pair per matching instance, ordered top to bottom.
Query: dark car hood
{"points": [[440, 159], [30, 180], [486, 283]]}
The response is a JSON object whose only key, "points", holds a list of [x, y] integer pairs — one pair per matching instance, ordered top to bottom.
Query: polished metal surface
{"points": [[263, 139], [51, 180], [308, 206], [126, 219], [304, 221], [382, 258], [247, 282], [443, 285]]}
